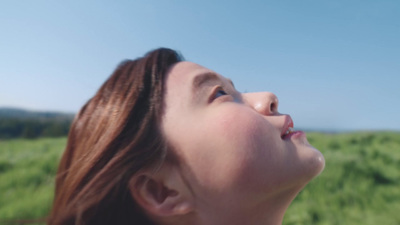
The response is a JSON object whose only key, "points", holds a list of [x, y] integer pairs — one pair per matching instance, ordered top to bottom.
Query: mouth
{"points": [[287, 128], [288, 132]]}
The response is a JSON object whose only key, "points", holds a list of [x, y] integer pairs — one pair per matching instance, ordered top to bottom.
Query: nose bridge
{"points": [[263, 102]]}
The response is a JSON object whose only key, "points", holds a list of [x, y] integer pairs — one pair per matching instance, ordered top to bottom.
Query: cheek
{"points": [[242, 130], [238, 149]]}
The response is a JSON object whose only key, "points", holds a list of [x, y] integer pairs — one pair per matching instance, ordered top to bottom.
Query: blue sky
{"points": [[334, 65]]}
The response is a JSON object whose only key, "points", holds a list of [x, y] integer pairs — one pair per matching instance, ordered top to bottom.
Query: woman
{"points": [[165, 141]]}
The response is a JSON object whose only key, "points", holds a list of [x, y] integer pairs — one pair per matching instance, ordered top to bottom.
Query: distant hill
{"points": [[7, 112], [20, 123]]}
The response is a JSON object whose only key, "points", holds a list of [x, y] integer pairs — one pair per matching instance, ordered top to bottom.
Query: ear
{"points": [[162, 193]]}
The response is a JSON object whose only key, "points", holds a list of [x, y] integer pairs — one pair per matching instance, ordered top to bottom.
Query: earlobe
{"points": [[162, 193]]}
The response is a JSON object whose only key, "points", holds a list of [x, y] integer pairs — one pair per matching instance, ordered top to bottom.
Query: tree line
{"points": [[16, 123], [31, 128]]}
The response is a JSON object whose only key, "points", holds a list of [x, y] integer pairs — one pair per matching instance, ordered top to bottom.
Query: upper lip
{"points": [[287, 124]]}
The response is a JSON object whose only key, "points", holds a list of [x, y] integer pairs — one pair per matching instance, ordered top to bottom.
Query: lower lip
{"points": [[294, 134]]}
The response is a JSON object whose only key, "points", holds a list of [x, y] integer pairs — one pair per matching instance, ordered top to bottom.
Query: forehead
{"points": [[182, 73], [182, 86]]}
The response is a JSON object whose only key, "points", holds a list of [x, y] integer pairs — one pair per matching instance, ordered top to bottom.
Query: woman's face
{"points": [[232, 145]]}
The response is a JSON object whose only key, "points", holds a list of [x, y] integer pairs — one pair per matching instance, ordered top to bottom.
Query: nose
{"points": [[265, 103]]}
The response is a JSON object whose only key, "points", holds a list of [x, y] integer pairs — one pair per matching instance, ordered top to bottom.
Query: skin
{"points": [[234, 163]]}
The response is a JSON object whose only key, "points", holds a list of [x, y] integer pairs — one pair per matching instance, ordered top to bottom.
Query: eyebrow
{"points": [[206, 77]]}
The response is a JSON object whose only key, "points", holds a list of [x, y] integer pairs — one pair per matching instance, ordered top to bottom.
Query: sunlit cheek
{"points": [[242, 148]]}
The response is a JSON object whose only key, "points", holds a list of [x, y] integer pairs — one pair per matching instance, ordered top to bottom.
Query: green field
{"points": [[27, 169], [360, 183]]}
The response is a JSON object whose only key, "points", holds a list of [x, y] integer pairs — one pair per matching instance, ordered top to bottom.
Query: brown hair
{"points": [[115, 134]]}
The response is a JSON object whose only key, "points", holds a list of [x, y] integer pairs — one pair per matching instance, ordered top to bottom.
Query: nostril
{"points": [[265, 103], [272, 107]]}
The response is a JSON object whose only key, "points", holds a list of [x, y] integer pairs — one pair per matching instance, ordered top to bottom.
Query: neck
{"points": [[267, 212]]}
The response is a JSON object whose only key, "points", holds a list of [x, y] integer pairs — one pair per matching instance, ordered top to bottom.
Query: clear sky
{"points": [[334, 65]]}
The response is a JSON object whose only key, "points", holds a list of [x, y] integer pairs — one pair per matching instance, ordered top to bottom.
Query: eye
{"points": [[220, 93]]}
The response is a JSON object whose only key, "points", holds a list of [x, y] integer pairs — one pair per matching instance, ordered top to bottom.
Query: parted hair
{"points": [[114, 135]]}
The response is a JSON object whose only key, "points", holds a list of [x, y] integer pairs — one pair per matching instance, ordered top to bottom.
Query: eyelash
{"points": [[221, 90], [217, 93]]}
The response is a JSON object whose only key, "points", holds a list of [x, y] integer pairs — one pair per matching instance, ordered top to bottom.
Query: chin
{"points": [[311, 160], [316, 160], [320, 161], [315, 163]]}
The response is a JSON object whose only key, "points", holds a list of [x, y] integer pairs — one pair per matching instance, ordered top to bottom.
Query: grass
{"points": [[27, 169], [360, 183]]}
